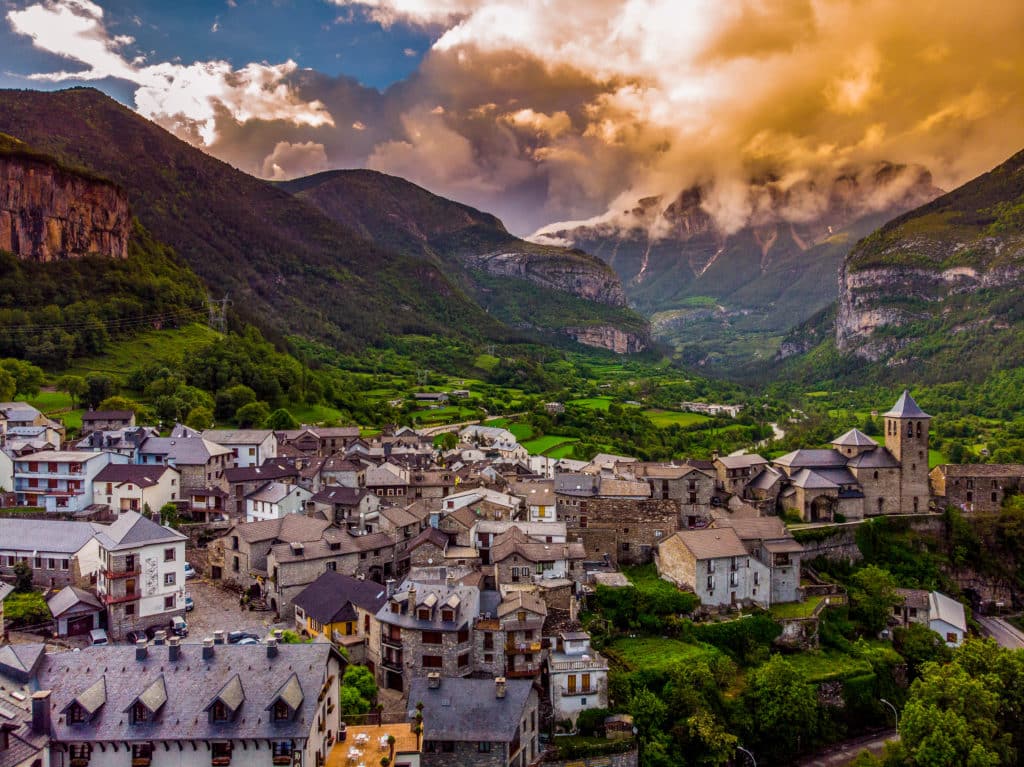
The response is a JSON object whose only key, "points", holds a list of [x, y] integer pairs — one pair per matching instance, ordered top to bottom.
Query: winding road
{"points": [[1000, 630]]}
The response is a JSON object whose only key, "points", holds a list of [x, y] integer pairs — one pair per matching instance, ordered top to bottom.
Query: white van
{"points": [[99, 636]]}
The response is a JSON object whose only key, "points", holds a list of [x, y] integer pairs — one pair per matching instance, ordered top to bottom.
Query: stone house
{"points": [[106, 420], [249, 447], [202, 463], [341, 471], [735, 471], [248, 479], [388, 481], [431, 482], [692, 487], [977, 487], [537, 498], [275, 500], [349, 507], [458, 525], [622, 532], [767, 540], [427, 549], [239, 557], [520, 558], [714, 564], [293, 565], [343, 609], [943, 615], [521, 616], [426, 626], [577, 677], [477, 722]]}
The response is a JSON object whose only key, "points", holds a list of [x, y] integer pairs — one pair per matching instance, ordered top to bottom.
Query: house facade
{"points": [[60, 480], [130, 487]]}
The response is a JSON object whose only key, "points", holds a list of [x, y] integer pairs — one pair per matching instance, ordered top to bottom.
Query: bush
{"points": [[27, 608], [591, 721]]}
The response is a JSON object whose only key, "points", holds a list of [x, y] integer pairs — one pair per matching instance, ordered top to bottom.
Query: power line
{"points": [[117, 323]]}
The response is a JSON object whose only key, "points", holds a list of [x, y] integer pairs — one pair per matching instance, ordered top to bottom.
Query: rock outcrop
{"points": [[48, 212], [567, 272], [611, 338]]}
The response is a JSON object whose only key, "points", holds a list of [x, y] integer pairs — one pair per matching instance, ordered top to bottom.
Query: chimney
{"points": [[714, 455], [389, 587], [412, 597], [278, 633], [218, 636], [160, 638], [271, 647], [174, 648], [207, 648], [141, 651], [433, 680], [499, 687], [41, 712]]}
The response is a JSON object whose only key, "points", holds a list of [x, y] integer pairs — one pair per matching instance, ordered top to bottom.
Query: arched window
{"points": [[910, 428], [918, 428], [876, 477]]}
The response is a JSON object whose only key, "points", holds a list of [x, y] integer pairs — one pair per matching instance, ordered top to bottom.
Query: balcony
{"points": [[114, 574], [113, 599], [391, 640], [521, 647], [394, 664], [579, 665], [528, 671], [566, 692], [283, 759]]}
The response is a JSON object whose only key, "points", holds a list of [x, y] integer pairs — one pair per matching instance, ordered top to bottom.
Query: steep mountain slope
{"points": [[286, 266], [518, 282], [705, 289], [938, 289]]}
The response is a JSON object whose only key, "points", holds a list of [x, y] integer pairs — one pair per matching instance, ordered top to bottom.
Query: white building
{"points": [[249, 447], [60, 480], [134, 488], [539, 499], [275, 500], [60, 552], [715, 565], [142, 578], [946, 618], [578, 677]]}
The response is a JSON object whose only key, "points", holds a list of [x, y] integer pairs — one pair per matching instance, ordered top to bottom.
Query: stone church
{"points": [[857, 477]]}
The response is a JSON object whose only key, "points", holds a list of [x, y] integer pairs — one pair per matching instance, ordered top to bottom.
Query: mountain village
{"points": [[457, 577]]}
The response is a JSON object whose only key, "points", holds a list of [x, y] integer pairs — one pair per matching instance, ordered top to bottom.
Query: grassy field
{"points": [[153, 346], [486, 362], [597, 403], [314, 414], [663, 418], [523, 431], [540, 445], [562, 451], [935, 458], [795, 609], [657, 653], [828, 665]]}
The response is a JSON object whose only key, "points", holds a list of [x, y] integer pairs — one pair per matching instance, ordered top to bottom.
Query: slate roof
{"points": [[905, 407], [237, 436], [854, 438], [186, 451], [62, 456], [879, 458], [812, 459], [745, 461], [272, 468], [981, 469], [137, 474], [766, 479], [809, 479], [576, 484], [272, 492], [338, 494], [399, 517], [290, 527], [755, 528], [132, 530], [49, 535], [429, 535], [515, 541], [710, 543], [321, 548], [430, 585], [330, 597], [69, 598], [914, 598], [522, 600], [943, 608], [21, 660], [190, 683], [469, 710]]}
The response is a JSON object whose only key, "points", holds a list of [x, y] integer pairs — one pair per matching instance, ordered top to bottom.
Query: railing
{"points": [[112, 574], [110, 599], [395, 640], [518, 647], [392, 664], [578, 665], [523, 672], [579, 691]]}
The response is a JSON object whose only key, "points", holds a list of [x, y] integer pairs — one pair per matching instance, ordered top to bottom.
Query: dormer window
{"points": [[423, 613], [447, 615], [281, 711], [219, 712], [140, 714], [76, 715]]}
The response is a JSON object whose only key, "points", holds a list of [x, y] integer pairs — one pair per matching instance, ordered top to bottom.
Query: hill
{"points": [[518, 282], [935, 291]]}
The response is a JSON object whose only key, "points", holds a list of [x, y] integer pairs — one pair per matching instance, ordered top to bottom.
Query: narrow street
{"points": [[1000, 630], [844, 753]]}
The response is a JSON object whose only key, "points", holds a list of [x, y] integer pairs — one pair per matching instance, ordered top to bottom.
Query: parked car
{"points": [[190, 572], [189, 604], [178, 626], [98, 636], [134, 636], [236, 637], [247, 640]]}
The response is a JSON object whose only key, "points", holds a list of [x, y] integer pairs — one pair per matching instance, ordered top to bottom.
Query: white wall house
{"points": [[249, 447], [60, 480], [133, 487], [275, 500], [715, 565], [142, 580], [946, 618], [578, 677]]}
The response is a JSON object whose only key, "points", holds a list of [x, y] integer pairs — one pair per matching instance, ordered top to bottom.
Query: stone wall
{"points": [[627, 531], [626, 759]]}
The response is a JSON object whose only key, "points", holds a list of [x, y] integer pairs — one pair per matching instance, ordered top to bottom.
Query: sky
{"points": [[546, 111]]}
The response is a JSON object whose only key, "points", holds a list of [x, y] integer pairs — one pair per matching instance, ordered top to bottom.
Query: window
{"points": [[625, 545], [168, 555], [38, 563], [234, 564], [331, 566], [170, 579], [711, 583], [169, 602], [129, 609], [423, 613], [448, 615], [463, 634], [432, 637], [951, 637], [488, 640], [488, 658], [464, 660], [432, 661], [281, 711], [219, 712], [76, 714], [140, 714], [447, 746], [483, 747], [83, 751], [142, 751], [220, 753]]}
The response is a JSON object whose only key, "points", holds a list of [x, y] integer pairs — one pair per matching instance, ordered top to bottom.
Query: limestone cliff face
{"points": [[48, 213], [564, 271], [611, 338]]}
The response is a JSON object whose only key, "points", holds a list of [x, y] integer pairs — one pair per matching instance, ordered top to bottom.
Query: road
{"points": [[777, 433], [1005, 634], [844, 753]]}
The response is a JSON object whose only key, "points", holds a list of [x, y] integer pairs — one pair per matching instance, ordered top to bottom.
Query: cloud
{"points": [[189, 99], [294, 160]]}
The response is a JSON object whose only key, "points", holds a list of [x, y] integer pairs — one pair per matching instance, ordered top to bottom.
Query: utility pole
{"points": [[218, 313]]}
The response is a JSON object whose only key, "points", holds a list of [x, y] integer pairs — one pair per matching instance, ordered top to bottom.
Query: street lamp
{"points": [[895, 713], [745, 751]]}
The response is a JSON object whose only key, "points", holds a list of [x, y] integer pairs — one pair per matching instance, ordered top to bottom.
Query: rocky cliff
{"points": [[48, 212], [939, 287], [610, 338]]}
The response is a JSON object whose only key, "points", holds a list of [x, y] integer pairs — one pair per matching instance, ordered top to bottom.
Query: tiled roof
{"points": [[137, 474], [290, 527], [132, 530], [710, 543], [328, 596], [469, 710]]}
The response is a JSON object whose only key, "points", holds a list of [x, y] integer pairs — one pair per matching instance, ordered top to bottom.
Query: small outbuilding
{"points": [[75, 611]]}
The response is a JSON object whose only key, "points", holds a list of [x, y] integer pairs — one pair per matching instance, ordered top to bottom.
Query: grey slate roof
{"points": [[905, 407], [237, 436], [854, 438], [811, 458], [879, 458], [745, 461], [137, 474], [812, 480], [132, 530], [53, 536], [330, 596], [70, 598], [943, 608], [20, 660], [296, 673], [290, 692], [231, 694], [154, 696], [91, 698], [469, 710]]}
